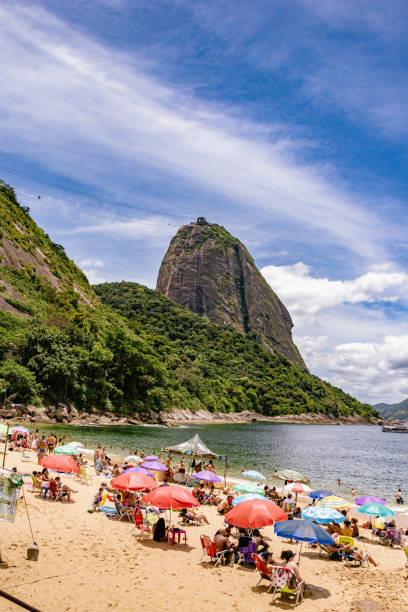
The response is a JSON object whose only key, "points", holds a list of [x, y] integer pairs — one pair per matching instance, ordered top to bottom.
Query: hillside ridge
{"points": [[122, 351]]}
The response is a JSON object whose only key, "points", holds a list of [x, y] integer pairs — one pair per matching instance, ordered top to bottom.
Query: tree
{"points": [[19, 381]]}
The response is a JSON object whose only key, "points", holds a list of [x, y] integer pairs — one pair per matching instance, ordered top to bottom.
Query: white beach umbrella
{"points": [[134, 458]]}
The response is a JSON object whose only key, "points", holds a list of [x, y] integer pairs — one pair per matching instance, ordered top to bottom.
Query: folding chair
{"points": [[84, 477], [124, 511], [141, 525], [209, 549], [246, 554], [263, 570], [283, 580]]}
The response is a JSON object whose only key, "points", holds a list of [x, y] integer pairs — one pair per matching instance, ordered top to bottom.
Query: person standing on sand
{"points": [[42, 449], [97, 454]]}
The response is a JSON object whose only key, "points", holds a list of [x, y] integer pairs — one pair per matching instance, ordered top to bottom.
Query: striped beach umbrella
{"points": [[339, 503], [322, 515]]}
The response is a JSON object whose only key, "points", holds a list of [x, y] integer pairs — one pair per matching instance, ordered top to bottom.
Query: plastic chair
{"points": [[209, 549]]}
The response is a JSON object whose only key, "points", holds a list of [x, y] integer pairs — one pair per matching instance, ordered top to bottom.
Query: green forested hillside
{"points": [[60, 343], [223, 370]]}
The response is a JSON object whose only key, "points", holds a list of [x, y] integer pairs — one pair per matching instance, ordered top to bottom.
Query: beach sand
{"points": [[88, 562]]}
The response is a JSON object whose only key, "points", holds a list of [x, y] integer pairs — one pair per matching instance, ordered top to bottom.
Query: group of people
{"points": [[43, 480]]}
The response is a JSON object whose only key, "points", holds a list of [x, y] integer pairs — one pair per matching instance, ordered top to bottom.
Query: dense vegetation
{"points": [[137, 351], [221, 369]]}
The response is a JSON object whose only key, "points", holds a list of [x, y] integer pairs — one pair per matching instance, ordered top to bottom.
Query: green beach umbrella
{"points": [[3, 428], [66, 450], [248, 487], [376, 510]]}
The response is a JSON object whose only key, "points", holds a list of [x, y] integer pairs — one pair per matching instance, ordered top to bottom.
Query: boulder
{"points": [[73, 411], [8, 413], [61, 413], [38, 415]]}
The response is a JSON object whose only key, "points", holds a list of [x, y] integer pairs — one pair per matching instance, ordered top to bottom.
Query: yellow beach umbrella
{"points": [[332, 501]]}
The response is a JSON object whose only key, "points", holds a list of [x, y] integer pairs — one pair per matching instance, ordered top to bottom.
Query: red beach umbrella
{"points": [[60, 463], [133, 481], [170, 497], [255, 513]]}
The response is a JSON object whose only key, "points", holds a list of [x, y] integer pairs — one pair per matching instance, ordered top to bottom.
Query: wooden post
{"points": [[5, 445]]}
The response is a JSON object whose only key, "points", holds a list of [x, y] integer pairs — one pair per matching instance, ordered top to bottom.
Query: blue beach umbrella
{"points": [[253, 474], [320, 494], [246, 497], [376, 509], [322, 515], [303, 531]]}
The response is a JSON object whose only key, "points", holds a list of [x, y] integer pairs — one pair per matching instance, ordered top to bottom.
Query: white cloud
{"points": [[70, 94], [157, 230], [91, 263], [306, 296], [362, 350], [372, 371]]}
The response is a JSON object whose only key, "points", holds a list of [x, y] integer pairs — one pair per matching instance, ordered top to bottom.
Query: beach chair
{"points": [[24, 457], [84, 477], [36, 483], [55, 491], [289, 509], [124, 511], [143, 527], [347, 540], [209, 549], [246, 554], [263, 570], [284, 581]]}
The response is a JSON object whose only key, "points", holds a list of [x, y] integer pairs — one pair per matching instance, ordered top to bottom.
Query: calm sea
{"points": [[362, 457]]}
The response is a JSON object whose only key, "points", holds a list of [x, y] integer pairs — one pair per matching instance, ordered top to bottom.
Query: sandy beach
{"points": [[91, 563]]}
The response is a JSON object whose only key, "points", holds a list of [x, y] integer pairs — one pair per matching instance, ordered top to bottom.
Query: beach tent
{"points": [[195, 447]]}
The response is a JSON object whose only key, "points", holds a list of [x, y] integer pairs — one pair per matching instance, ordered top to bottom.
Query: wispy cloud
{"points": [[60, 89], [157, 230], [306, 295]]}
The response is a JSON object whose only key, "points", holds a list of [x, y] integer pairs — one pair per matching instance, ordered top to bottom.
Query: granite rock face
{"points": [[211, 272]]}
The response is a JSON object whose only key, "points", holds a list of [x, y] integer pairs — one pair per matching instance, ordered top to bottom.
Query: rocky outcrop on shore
{"points": [[67, 413]]}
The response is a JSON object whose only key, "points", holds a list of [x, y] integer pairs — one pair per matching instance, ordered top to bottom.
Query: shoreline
{"points": [[69, 415]]}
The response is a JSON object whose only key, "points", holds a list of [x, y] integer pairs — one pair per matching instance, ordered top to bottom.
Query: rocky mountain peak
{"points": [[211, 272]]}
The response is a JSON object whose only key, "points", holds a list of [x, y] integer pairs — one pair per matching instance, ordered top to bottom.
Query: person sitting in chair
{"points": [[159, 531]]}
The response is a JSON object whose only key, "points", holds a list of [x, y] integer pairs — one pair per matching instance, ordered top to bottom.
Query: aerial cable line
{"points": [[60, 187], [92, 214]]}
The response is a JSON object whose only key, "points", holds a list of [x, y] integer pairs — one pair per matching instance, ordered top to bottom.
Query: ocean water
{"points": [[363, 457]]}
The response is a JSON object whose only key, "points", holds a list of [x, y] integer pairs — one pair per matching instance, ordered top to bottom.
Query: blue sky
{"points": [[284, 122]]}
